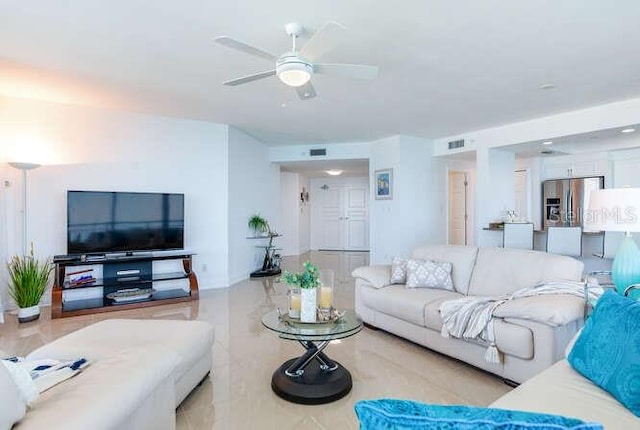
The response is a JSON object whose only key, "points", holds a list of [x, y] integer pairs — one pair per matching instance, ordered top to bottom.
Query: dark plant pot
{"points": [[28, 314]]}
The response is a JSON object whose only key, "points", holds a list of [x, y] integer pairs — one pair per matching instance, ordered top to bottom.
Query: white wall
{"points": [[612, 115], [86, 148], [342, 151], [254, 187], [495, 192], [289, 208], [416, 214], [294, 216], [304, 219]]}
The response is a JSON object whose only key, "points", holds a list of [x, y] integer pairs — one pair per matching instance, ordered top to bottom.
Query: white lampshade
{"points": [[294, 74], [613, 209]]}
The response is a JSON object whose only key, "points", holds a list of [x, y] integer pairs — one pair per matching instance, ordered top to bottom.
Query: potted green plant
{"points": [[259, 225], [28, 280], [308, 281]]}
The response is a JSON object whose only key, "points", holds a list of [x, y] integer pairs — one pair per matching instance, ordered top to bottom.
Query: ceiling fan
{"points": [[295, 68]]}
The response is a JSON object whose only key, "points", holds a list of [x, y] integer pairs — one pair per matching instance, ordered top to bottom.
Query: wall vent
{"points": [[455, 144], [317, 152]]}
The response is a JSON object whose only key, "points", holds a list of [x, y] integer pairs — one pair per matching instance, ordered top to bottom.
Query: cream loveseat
{"points": [[531, 332], [139, 372]]}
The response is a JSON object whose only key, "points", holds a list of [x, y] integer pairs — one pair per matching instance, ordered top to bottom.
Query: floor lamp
{"points": [[24, 167], [618, 209]]}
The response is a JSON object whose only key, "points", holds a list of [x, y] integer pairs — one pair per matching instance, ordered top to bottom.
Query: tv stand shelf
{"points": [[120, 272]]}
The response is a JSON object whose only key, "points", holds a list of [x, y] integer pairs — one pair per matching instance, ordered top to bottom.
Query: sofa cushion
{"points": [[461, 257], [399, 270], [501, 271], [429, 274], [377, 276], [404, 303], [552, 309], [432, 317], [190, 340], [608, 350], [561, 390], [12, 404], [406, 414]]}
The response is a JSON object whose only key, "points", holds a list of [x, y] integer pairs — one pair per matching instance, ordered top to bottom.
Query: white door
{"points": [[457, 208], [344, 218]]}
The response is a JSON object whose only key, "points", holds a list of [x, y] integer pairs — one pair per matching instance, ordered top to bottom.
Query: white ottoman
{"points": [[192, 341]]}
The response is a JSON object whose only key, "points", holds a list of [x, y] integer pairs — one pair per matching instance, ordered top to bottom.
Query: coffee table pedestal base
{"points": [[314, 387]]}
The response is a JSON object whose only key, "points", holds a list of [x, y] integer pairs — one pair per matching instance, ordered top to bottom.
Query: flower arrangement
{"points": [[310, 278]]}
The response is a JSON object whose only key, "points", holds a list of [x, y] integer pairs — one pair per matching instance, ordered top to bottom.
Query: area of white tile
{"points": [[238, 394]]}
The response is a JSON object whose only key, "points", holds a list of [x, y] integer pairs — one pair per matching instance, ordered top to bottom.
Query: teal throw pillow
{"points": [[607, 352], [405, 414]]}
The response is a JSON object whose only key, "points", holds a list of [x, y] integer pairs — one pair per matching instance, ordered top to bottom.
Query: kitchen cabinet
{"points": [[575, 168]]}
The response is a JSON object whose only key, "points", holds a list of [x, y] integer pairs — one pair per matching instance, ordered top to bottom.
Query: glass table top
{"points": [[289, 329]]}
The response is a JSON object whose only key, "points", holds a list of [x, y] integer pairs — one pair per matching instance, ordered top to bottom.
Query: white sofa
{"points": [[530, 332], [139, 372], [560, 390]]}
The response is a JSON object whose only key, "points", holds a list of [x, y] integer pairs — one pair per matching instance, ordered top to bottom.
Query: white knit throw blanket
{"points": [[472, 317]]}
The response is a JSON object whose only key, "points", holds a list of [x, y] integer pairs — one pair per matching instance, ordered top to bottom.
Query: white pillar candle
{"points": [[325, 297], [294, 305]]}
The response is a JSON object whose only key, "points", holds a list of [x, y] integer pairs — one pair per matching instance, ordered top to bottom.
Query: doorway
{"points": [[458, 215], [340, 219]]}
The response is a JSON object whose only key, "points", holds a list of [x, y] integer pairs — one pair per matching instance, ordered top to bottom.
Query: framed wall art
{"points": [[384, 184]]}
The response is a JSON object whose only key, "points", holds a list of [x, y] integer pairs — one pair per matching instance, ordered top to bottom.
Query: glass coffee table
{"points": [[313, 378]]}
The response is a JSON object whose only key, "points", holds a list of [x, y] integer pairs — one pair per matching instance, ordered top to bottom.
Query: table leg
{"points": [[313, 352], [312, 378]]}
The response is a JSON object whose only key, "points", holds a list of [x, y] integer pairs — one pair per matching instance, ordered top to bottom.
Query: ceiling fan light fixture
{"points": [[294, 72]]}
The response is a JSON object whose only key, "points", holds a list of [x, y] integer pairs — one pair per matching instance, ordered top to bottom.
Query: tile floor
{"points": [[238, 394]]}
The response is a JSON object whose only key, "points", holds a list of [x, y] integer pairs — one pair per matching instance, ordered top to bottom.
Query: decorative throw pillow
{"points": [[399, 270], [429, 274], [607, 352], [406, 414]]}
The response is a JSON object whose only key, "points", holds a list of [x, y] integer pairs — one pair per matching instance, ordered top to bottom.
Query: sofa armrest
{"points": [[377, 276], [552, 309]]}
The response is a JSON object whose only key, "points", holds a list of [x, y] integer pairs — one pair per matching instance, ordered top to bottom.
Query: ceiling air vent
{"points": [[455, 144], [317, 152]]}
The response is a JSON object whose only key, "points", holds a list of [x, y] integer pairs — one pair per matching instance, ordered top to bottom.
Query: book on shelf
{"points": [[81, 277]]}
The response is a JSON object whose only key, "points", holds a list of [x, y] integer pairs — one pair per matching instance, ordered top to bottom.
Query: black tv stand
{"points": [[121, 272]]}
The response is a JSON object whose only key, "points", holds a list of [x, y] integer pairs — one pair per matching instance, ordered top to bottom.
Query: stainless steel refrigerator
{"points": [[564, 201]]}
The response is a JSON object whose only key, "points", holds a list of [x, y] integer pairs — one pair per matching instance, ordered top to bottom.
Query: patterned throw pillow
{"points": [[399, 270], [429, 274], [607, 352], [407, 415]]}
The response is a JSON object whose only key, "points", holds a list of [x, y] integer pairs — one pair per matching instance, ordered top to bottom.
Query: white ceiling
{"points": [[446, 67]]}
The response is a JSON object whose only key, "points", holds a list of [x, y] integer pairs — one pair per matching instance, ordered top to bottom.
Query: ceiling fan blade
{"points": [[323, 40], [243, 47], [357, 71], [250, 78], [306, 91]]}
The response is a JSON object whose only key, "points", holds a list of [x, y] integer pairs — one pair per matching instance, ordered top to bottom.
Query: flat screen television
{"points": [[111, 222]]}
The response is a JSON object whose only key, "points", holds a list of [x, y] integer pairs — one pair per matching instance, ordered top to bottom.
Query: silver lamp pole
{"points": [[24, 167]]}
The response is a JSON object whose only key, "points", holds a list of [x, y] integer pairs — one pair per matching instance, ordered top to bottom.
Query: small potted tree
{"points": [[259, 225], [28, 280]]}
